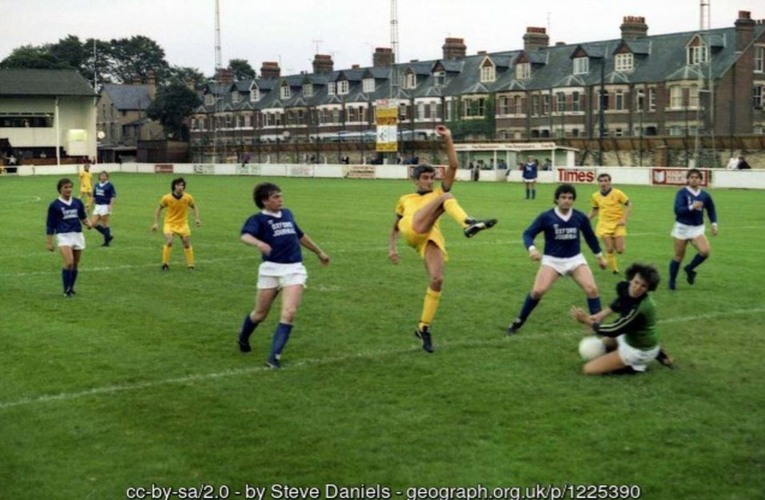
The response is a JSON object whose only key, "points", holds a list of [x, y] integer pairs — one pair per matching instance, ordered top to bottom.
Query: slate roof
{"points": [[43, 82], [128, 97]]}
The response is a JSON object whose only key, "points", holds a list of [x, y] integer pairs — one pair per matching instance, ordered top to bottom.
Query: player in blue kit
{"points": [[529, 174], [104, 195], [690, 203], [66, 215], [562, 227], [275, 233]]}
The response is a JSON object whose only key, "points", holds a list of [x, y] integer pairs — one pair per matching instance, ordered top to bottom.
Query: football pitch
{"points": [[137, 381]]}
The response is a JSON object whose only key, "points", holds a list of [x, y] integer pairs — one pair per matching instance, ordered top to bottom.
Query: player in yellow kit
{"points": [[86, 186], [177, 203], [612, 208], [417, 217]]}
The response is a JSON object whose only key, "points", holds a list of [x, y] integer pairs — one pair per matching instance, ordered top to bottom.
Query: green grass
{"points": [[138, 381]]}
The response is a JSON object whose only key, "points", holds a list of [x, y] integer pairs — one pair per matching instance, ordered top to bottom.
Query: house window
{"points": [[697, 54], [759, 59], [624, 62], [581, 65], [523, 71], [488, 72], [439, 78], [411, 81], [368, 85], [342, 87], [331, 88], [308, 90], [284, 91], [254, 95], [693, 96], [758, 96], [235, 97], [676, 97], [619, 98], [209, 99], [651, 99], [604, 100], [640, 100], [560, 102], [546, 104], [576, 104], [504, 105], [517, 105], [535, 105], [475, 107], [420, 110], [449, 110]]}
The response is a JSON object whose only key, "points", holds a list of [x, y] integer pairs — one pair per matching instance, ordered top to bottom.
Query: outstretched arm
{"points": [[393, 241], [307, 242]]}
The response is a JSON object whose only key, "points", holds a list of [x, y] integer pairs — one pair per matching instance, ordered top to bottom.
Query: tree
{"points": [[29, 57], [133, 58], [241, 69], [186, 76], [172, 105]]}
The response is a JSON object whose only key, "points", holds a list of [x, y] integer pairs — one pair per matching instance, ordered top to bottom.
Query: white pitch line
{"points": [[203, 377]]}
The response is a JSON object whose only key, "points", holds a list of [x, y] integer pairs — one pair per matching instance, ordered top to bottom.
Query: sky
{"points": [[291, 32]]}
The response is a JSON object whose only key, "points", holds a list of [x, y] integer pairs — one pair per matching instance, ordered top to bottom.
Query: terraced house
{"points": [[639, 99]]}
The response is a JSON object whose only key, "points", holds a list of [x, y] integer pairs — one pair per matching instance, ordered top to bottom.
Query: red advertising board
{"points": [[579, 175]]}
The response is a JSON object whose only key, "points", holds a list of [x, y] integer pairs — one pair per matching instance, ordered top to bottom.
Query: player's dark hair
{"points": [[421, 169], [694, 171], [105, 173], [607, 176], [179, 180], [61, 182], [565, 189], [263, 191], [647, 271]]}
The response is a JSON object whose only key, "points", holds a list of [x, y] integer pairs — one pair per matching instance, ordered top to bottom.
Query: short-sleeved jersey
{"points": [[530, 171], [86, 181], [103, 193], [408, 204], [610, 205], [177, 208], [683, 212], [65, 216], [280, 232], [562, 233], [637, 319]]}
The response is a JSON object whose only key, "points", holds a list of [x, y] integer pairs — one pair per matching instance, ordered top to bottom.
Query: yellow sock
{"points": [[455, 211], [166, 251], [189, 253], [611, 259], [429, 307]]}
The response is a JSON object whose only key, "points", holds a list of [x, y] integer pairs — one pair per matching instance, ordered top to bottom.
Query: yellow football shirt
{"points": [[86, 182], [611, 206], [177, 209]]}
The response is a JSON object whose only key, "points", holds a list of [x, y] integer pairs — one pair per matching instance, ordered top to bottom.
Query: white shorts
{"points": [[102, 210], [683, 232], [74, 240], [564, 265], [274, 275], [638, 359]]}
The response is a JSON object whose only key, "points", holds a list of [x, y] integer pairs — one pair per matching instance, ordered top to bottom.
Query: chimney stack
{"points": [[633, 27], [744, 30], [535, 38], [454, 48], [383, 57], [322, 63], [270, 70], [225, 75]]}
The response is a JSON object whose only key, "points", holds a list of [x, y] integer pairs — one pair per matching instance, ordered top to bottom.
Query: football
{"points": [[591, 347]]}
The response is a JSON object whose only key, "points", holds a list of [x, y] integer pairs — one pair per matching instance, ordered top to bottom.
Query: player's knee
{"points": [[705, 253], [437, 282], [537, 293], [288, 314], [258, 316], [588, 370]]}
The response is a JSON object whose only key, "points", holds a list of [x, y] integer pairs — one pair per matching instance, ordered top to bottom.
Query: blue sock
{"points": [[528, 193], [533, 194], [99, 228], [107, 232], [696, 262], [674, 268], [74, 278], [68, 280], [528, 305], [594, 305], [247, 328], [281, 336]]}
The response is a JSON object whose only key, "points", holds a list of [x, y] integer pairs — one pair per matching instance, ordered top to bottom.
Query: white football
{"points": [[590, 347]]}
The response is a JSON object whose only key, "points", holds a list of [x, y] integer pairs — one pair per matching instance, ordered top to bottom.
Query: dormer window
{"points": [[698, 54], [624, 62], [581, 65], [523, 71], [488, 72], [439, 78], [411, 81], [368, 85], [343, 87], [331, 88], [308, 90], [285, 92], [254, 94], [235, 96], [209, 100]]}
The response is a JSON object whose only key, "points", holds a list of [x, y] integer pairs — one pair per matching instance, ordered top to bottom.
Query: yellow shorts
{"points": [[179, 229], [610, 229], [419, 241]]}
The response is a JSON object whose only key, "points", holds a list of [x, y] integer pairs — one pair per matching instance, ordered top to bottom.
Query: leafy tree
{"points": [[71, 51], [29, 57], [133, 58], [242, 69], [186, 75], [171, 107]]}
